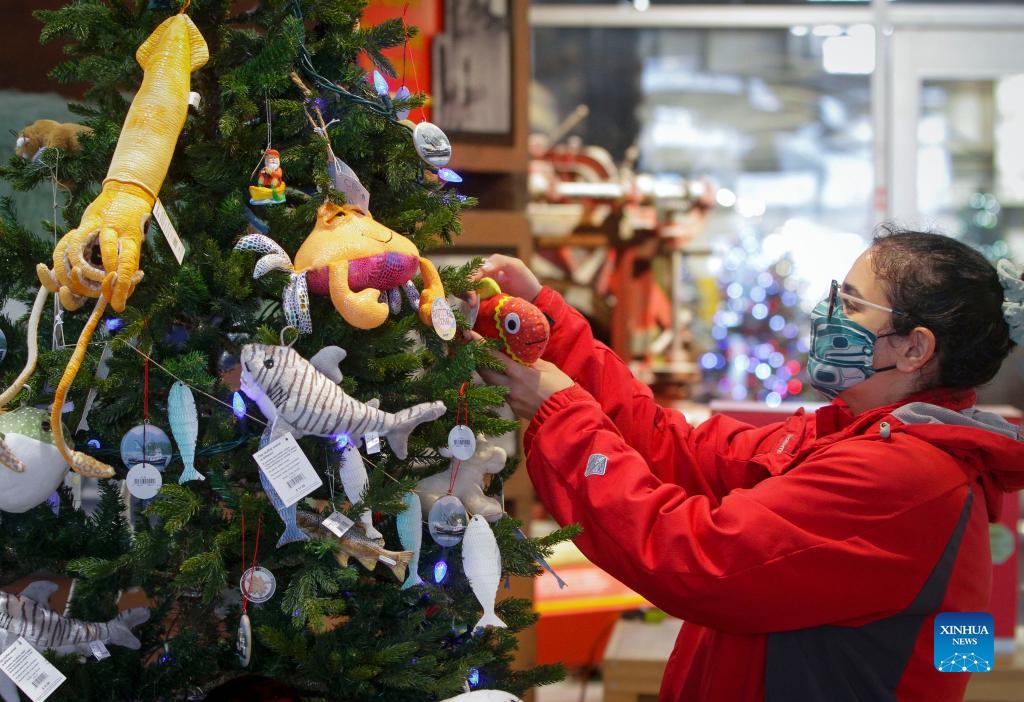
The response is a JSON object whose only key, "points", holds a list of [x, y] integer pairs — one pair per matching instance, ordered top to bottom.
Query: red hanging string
{"points": [[405, 46], [145, 391], [462, 408], [255, 555]]}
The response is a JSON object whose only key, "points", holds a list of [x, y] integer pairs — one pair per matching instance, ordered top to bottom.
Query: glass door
{"points": [[956, 163]]}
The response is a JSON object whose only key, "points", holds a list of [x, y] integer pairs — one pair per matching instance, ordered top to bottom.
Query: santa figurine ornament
{"points": [[270, 183]]}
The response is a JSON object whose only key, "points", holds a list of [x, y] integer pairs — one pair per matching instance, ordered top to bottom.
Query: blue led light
{"points": [[379, 84], [449, 176], [113, 324], [238, 405], [341, 441], [93, 443], [440, 571], [474, 677]]}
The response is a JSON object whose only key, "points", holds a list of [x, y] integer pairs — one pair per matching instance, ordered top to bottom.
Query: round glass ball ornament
{"points": [[147, 443], [447, 521]]}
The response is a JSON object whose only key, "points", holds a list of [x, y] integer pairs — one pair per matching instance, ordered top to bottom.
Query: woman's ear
{"points": [[918, 349]]}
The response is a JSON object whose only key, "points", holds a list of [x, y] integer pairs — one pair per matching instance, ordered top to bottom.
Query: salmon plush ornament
{"points": [[520, 324]]}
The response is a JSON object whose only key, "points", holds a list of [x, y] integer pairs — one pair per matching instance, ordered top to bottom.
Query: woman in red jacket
{"points": [[808, 558]]}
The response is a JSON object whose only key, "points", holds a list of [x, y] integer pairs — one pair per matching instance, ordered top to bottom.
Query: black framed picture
{"points": [[473, 69]]}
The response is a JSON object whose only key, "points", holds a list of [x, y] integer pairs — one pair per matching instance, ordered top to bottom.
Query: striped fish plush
{"points": [[303, 397], [28, 615]]}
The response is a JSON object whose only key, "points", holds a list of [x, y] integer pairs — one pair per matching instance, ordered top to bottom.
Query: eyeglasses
{"points": [[834, 294]]}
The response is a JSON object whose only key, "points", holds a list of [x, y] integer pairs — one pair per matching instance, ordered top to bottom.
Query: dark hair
{"points": [[948, 287]]}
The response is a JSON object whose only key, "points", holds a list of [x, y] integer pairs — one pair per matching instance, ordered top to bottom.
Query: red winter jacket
{"points": [[808, 558]]}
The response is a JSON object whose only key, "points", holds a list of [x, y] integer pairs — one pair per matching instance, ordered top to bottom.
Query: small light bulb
{"points": [[379, 84], [449, 176], [113, 324], [238, 405], [440, 571], [474, 677]]}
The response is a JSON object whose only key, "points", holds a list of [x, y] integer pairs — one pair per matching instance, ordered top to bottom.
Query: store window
{"points": [[780, 121]]}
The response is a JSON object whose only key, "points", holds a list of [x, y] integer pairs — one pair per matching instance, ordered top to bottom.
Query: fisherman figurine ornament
{"points": [[269, 189]]}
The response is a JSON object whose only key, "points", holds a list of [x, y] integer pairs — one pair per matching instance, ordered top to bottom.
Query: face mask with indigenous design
{"points": [[842, 351]]}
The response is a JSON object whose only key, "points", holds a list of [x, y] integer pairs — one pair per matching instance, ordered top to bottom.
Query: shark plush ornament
{"points": [[304, 398], [28, 615]]}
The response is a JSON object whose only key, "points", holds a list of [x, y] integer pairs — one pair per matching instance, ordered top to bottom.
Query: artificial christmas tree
{"points": [[285, 75]]}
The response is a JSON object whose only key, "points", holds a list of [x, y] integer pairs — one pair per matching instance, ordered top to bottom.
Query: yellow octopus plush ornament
{"points": [[115, 222], [355, 260]]}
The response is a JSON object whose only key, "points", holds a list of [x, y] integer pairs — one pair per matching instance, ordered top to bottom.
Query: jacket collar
{"points": [[837, 416]]}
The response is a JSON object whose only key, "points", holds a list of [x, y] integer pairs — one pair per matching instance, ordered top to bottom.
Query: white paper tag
{"points": [[194, 99], [173, 240], [443, 319], [371, 440], [462, 442], [288, 470], [144, 481], [338, 523], [99, 649], [32, 673]]}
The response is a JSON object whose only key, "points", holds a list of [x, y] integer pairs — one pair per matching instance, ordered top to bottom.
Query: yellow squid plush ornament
{"points": [[113, 225]]}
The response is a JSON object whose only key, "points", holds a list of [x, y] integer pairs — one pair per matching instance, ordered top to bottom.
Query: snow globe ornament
{"points": [[432, 144], [27, 434], [147, 443], [447, 521]]}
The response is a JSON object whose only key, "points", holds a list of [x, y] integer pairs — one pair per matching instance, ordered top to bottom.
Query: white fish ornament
{"points": [[303, 397], [184, 419], [353, 478], [410, 532], [481, 562], [28, 615], [485, 696]]}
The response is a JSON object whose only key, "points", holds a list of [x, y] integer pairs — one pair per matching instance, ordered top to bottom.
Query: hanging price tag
{"points": [[173, 240], [443, 319], [371, 440], [462, 442], [288, 470], [144, 481], [338, 524], [99, 649], [32, 673]]}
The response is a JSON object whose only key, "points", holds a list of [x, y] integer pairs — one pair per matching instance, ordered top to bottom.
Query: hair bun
{"points": [[1012, 278]]}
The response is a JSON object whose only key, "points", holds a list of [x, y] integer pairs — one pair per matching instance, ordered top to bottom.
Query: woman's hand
{"points": [[512, 276], [529, 386]]}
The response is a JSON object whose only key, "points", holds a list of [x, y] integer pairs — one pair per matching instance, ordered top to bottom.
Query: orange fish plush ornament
{"points": [[520, 324]]}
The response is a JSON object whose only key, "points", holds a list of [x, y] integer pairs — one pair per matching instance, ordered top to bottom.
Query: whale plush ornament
{"points": [[28, 434]]}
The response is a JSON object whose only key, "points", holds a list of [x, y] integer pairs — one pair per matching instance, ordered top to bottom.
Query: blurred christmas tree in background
{"points": [[332, 631]]}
